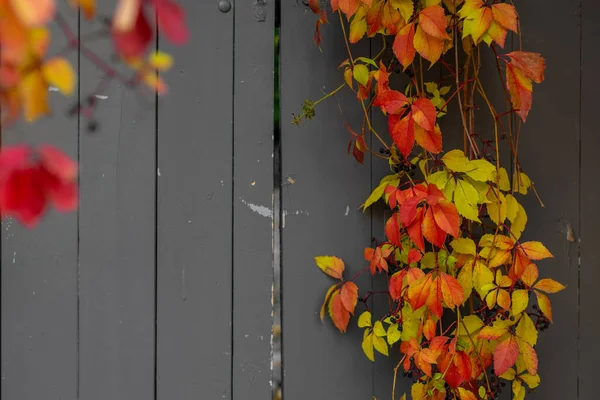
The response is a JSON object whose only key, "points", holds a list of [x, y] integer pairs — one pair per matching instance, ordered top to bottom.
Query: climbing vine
{"points": [[466, 303]]}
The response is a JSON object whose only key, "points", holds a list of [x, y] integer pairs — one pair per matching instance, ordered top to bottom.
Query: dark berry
{"points": [[92, 126]]}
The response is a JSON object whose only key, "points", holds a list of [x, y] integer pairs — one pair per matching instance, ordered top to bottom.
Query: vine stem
{"points": [[396, 374]]}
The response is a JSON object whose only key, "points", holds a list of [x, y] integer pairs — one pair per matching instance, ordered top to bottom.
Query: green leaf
{"points": [[367, 61], [361, 74], [439, 179]]}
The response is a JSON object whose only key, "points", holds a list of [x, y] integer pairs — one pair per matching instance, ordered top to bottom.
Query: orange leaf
{"points": [[348, 7], [34, 12], [506, 15], [433, 22], [479, 23], [498, 33], [403, 47], [429, 47], [532, 65], [58, 72], [520, 89], [34, 94], [391, 101], [423, 113], [429, 140], [446, 217], [392, 230], [415, 231], [432, 232], [535, 250], [414, 255], [332, 266], [530, 274], [395, 286], [549, 286], [452, 290], [418, 291], [349, 296], [504, 299], [434, 301], [544, 304], [338, 313], [429, 329], [493, 332], [505, 355], [530, 358], [424, 359], [464, 394]]}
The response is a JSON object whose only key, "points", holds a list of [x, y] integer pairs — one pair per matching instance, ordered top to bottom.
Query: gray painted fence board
{"points": [[552, 162], [253, 177], [195, 212], [322, 213], [116, 225], [39, 274], [589, 352]]}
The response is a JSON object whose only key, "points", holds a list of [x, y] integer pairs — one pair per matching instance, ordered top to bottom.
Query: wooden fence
{"points": [[161, 285]]}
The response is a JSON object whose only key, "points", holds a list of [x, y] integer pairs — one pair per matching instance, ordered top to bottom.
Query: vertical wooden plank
{"points": [[549, 153], [253, 177], [195, 211], [322, 213], [116, 225], [39, 271], [589, 275]]}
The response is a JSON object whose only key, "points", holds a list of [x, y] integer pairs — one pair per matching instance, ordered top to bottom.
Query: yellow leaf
{"points": [[87, 6], [469, 7], [406, 8], [34, 13], [477, 23], [358, 25], [39, 39], [429, 47], [160, 60], [58, 72], [361, 74], [154, 82], [34, 94], [456, 161], [481, 170], [439, 179], [502, 180], [449, 188], [482, 189], [465, 199], [497, 206], [512, 207], [518, 225], [464, 246], [535, 250], [331, 265], [481, 276], [465, 278], [549, 286], [327, 297], [520, 301], [364, 320], [472, 323], [378, 329], [526, 330], [493, 332], [393, 334], [367, 345], [380, 345], [530, 358], [509, 375], [532, 381], [518, 390], [418, 391], [465, 394]]}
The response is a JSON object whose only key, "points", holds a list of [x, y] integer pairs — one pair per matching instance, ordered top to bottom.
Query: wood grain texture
{"points": [[195, 139], [116, 231]]}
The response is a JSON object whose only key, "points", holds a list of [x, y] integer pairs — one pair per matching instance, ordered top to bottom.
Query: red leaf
{"points": [[348, 7], [171, 21], [132, 43], [403, 46], [519, 87], [391, 101], [423, 113], [403, 134], [408, 210], [392, 229], [415, 231], [431, 231], [414, 255], [395, 285], [418, 291], [349, 296], [505, 355]]}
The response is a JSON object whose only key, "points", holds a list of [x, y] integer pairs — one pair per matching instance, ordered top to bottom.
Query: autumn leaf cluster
{"points": [[28, 70], [466, 300]]}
